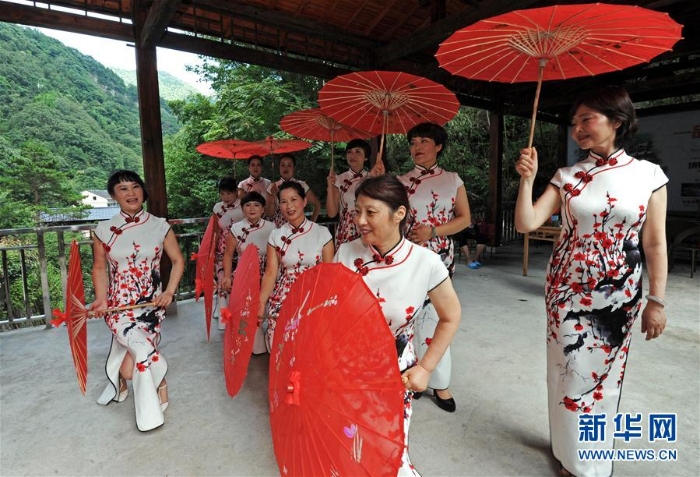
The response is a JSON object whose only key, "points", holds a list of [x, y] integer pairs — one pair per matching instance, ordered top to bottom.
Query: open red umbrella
{"points": [[557, 42], [383, 102], [314, 124], [271, 145], [228, 149], [204, 270], [242, 318], [336, 397]]}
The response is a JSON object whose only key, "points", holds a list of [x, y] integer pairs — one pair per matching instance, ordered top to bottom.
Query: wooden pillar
{"points": [[496, 129], [151, 130]]}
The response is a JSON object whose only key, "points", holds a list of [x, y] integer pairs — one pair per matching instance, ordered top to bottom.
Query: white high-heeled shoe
{"points": [[125, 393], [163, 405]]}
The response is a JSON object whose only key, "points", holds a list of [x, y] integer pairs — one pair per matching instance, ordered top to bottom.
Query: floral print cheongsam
{"points": [[346, 183], [251, 184], [432, 194], [227, 215], [278, 218], [258, 234], [134, 246], [298, 249], [400, 280], [593, 294]]}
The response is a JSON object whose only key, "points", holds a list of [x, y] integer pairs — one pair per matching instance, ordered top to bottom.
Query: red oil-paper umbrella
{"points": [[556, 43], [241, 317], [335, 391]]}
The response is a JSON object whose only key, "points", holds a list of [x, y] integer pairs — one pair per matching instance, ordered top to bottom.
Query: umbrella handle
{"points": [[543, 62], [122, 308]]}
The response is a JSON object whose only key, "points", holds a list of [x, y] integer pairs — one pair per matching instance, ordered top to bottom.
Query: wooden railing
{"points": [[28, 265]]}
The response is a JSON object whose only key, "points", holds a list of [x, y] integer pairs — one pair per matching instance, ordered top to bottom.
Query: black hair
{"points": [[614, 103], [434, 131], [361, 143], [253, 157], [294, 159], [124, 175], [227, 184], [291, 185], [388, 189], [253, 197]]}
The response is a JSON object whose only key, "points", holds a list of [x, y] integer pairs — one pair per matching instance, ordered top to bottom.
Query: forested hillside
{"points": [[170, 87], [65, 109]]}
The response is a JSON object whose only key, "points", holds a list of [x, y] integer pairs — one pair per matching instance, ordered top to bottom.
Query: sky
{"points": [[116, 54]]}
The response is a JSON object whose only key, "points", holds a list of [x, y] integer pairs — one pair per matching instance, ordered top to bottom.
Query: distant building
{"points": [[98, 198], [67, 217]]}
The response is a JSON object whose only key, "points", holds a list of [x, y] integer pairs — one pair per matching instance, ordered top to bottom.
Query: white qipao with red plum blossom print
{"points": [[346, 183], [251, 184], [432, 194], [226, 215], [278, 219], [257, 234], [134, 246], [298, 249], [400, 280], [593, 295]]}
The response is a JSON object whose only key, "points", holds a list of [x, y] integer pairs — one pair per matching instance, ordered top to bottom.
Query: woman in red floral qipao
{"points": [[341, 190], [439, 209], [129, 246], [293, 248], [401, 274], [593, 290]]}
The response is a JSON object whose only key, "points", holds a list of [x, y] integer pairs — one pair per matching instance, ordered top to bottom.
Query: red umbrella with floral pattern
{"points": [[241, 317], [335, 391]]}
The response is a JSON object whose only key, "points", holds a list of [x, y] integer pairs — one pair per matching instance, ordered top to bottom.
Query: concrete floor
{"points": [[500, 427]]}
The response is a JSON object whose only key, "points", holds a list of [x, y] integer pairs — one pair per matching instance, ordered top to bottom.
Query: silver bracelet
{"points": [[656, 299]]}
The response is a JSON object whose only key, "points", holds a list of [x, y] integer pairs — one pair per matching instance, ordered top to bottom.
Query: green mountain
{"points": [[171, 88], [65, 102]]}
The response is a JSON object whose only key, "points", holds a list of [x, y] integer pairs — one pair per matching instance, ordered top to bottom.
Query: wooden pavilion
{"points": [[325, 38]]}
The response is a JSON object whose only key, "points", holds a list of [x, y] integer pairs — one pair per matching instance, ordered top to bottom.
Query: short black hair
{"points": [[615, 103], [434, 131], [361, 143], [253, 157], [294, 159], [125, 175], [227, 184], [291, 185], [388, 189], [253, 197]]}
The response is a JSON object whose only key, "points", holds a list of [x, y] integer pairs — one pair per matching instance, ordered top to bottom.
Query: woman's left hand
{"points": [[420, 233], [164, 299], [653, 320], [415, 378]]}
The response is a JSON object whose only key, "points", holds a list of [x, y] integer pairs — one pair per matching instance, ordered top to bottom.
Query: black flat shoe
{"points": [[417, 395], [448, 405]]}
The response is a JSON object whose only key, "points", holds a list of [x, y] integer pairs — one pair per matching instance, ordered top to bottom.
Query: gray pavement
{"points": [[500, 428]]}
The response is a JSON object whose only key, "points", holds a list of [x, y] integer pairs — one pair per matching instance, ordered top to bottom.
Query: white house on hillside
{"points": [[98, 198]]}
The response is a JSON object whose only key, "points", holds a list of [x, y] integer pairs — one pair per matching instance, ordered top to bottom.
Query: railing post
{"points": [[62, 261], [6, 287], [46, 292]]}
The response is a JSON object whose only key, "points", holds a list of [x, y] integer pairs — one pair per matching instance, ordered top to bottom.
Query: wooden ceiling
{"points": [[325, 38]]}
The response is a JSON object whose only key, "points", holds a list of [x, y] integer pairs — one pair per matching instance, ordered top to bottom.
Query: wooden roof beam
{"points": [[159, 16], [57, 20], [288, 22], [440, 30], [233, 52]]}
